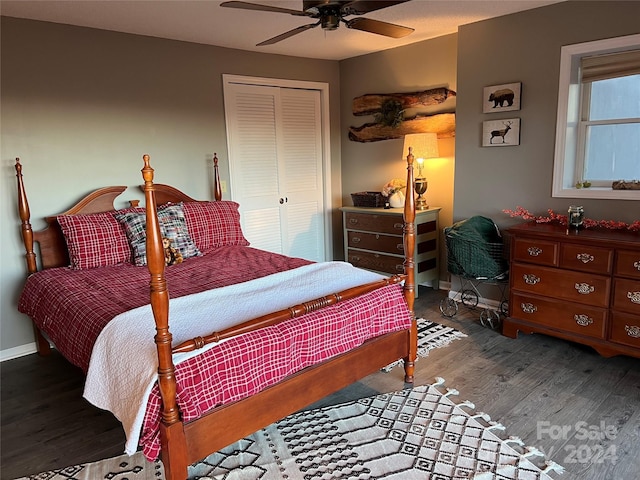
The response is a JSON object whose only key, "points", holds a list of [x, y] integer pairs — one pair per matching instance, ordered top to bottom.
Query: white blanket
{"points": [[124, 362]]}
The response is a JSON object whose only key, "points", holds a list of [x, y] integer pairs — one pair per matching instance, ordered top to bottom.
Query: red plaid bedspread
{"points": [[73, 306], [249, 363]]}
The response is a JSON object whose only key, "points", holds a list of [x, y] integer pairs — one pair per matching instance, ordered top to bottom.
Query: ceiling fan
{"points": [[329, 14]]}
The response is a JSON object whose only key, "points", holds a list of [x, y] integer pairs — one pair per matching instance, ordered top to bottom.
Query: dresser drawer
{"points": [[393, 224], [375, 241], [540, 252], [586, 258], [376, 261], [628, 264], [581, 287], [626, 295], [564, 316], [625, 329]]}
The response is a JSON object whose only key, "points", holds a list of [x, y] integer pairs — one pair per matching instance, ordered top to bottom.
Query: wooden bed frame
{"points": [[185, 443]]}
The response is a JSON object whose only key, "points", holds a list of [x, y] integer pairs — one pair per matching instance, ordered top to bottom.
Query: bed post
{"points": [[217, 187], [25, 216], [409, 270], [42, 344], [174, 448]]}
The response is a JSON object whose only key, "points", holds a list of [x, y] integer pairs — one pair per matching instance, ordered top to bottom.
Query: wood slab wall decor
{"points": [[372, 103], [390, 123], [444, 124]]}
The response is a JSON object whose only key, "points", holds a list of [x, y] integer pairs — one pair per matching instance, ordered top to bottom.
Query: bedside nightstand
{"points": [[373, 241]]}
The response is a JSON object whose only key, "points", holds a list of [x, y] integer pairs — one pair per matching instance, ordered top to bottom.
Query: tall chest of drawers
{"points": [[373, 240], [581, 285]]}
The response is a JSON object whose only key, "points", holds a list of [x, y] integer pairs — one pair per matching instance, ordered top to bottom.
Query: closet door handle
{"points": [[283, 200]]}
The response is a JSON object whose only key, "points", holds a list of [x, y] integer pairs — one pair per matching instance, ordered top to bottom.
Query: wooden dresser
{"points": [[373, 240], [581, 285]]}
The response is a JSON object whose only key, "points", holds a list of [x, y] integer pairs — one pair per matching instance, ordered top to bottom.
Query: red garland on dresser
{"points": [[562, 220]]}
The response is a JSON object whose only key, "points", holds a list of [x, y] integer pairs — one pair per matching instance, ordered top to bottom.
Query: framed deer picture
{"points": [[501, 98], [501, 133]]}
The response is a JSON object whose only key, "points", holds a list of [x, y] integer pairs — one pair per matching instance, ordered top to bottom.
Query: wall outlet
{"points": [[223, 186]]}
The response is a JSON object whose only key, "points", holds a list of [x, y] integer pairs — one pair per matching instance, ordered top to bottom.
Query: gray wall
{"points": [[522, 47], [525, 47], [422, 66], [81, 106], [368, 166]]}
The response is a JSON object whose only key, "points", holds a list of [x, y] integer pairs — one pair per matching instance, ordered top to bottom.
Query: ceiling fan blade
{"points": [[359, 7], [262, 8], [381, 28], [288, 34]]}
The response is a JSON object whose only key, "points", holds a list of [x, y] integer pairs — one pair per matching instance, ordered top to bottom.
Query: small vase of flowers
{"points": [[394, 192]]}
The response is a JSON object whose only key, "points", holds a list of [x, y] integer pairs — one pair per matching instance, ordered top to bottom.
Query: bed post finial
{"points": [[217, 188], [25, 218], [409, 266]]}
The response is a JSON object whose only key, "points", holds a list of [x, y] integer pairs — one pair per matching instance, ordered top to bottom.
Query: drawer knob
{"points": [[353, 221], [398, 225], [355, 239], [400, 247], [534, 251], [585, 257], [354, 258], [637, 265], [399, 267], [530, 279], [584, 288], [634, 297], [528, 307], [583, 320], [632, 330]]}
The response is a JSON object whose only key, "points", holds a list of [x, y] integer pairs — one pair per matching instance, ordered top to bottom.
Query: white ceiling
{"points": [[206, 22]]}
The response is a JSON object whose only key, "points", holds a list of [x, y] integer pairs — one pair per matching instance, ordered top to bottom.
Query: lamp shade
{"points": [[424, 145]]}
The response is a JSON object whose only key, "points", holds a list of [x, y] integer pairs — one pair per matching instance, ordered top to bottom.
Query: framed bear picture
{"points": [[501, 98]]}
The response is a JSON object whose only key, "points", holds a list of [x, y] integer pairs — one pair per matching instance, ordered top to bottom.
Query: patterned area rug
{"points": [[431, 335], [410, 434]]}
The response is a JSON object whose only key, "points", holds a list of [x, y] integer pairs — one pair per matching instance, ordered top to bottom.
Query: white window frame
{"points": [[568, 119]]}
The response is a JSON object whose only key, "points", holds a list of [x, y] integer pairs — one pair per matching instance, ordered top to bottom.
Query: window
{"points": [[598, 129]]}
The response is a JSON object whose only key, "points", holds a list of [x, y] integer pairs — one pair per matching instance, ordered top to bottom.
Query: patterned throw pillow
{"points": [[214, 224], [172, 225], [95, 240]]}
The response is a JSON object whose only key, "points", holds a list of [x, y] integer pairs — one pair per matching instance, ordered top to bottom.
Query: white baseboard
{"points": [[19, 351]]}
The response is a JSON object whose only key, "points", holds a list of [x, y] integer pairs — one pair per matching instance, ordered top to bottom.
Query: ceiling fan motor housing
{"points": [[315, 6]]}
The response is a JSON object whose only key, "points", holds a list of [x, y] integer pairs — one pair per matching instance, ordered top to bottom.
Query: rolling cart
{"points": [[476, 256]]}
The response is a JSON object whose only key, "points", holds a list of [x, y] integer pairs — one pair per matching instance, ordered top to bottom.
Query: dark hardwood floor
{"points": [[581, 409]]}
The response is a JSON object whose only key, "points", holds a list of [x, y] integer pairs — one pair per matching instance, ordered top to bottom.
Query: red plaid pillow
{"points": [[214, 224], [95, 240]]}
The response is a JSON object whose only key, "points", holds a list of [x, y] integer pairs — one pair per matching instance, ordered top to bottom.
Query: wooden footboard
{"points": [[183, 444]]}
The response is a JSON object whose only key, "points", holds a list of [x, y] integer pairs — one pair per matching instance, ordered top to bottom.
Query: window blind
{"points": [[612, 65]]}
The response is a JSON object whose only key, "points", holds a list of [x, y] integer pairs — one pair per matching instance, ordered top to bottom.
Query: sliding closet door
{"points": [[275, 157]]}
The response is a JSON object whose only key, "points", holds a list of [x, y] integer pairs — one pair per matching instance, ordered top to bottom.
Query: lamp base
{"points": [[420, 187]]}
